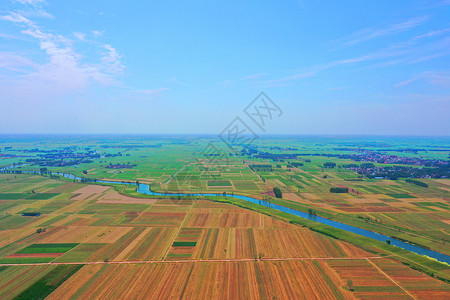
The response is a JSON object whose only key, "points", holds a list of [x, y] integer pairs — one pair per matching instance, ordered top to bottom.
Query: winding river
{"points": [[145, 189]]}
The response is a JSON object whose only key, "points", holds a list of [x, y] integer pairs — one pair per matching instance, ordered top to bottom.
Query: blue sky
{"points": [[333, 67]]}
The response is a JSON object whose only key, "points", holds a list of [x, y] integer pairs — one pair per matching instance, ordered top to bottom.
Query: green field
{"points": [[219, 183]]}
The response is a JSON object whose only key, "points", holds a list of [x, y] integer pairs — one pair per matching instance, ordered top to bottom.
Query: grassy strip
{"points": [[27, 196], [184, 244], [47, 248], [179, 255], [26, 260], [50, 282]]}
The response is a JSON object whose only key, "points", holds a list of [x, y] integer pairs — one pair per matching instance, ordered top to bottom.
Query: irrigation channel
{"points": [[145, 189]]}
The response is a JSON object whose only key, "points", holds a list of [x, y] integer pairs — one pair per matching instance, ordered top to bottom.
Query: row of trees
{"points": [[417, 182], [338, 190]]}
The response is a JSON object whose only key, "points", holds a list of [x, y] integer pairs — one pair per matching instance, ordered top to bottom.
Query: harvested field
{"points": [[89, 192], [113, 197], [292, 197], [159, 219], [224, 220], [84, 234], [229, 243], [238, 280]]}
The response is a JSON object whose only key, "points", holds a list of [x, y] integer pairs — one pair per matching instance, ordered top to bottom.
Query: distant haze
{"points": [[162, 67]]}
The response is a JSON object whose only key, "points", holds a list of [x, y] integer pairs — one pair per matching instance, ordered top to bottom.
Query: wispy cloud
{"points": [[31, 2], [33, 8], [97, 33], [433, 33], [368, 34], [80, 36], [9, 37], [428, 46], [111, 60], [15, 63], [313, 71], [243, 79], [439, 79], [284, 80], [183, 83], [338, 88], [152, 92], [144, 95]]}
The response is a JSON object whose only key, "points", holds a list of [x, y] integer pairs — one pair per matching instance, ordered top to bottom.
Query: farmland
{"points": [[98, 240]]}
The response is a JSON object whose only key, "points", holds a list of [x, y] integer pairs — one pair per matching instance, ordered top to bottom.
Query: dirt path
{"points": [[171, 177], [196, 260], [389, 277]]}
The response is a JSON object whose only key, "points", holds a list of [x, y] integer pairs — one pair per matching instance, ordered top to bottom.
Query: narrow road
{"points": [[171, 177], [194, 260], [389, 277]]}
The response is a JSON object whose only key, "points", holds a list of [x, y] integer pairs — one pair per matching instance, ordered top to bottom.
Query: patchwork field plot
{"points": [[220, 183], [97, 241], [184, 244], [37, 253]]}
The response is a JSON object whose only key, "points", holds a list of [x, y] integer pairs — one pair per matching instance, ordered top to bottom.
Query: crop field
{"points": [[97, 240]]}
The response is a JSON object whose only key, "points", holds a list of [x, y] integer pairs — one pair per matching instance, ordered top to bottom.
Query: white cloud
{"points": [[64, 71]]}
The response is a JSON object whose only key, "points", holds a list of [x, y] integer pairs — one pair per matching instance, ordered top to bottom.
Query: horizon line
{"points": [[214, 134]]}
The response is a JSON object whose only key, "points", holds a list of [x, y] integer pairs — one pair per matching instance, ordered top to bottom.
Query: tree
{"points": [[329, 165], [85, 172], [277, 192], [388, 241], [350, 284]]}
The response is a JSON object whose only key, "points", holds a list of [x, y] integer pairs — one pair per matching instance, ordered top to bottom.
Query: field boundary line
{"points": [[178, 231], [192, 261], [390, 278]]}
